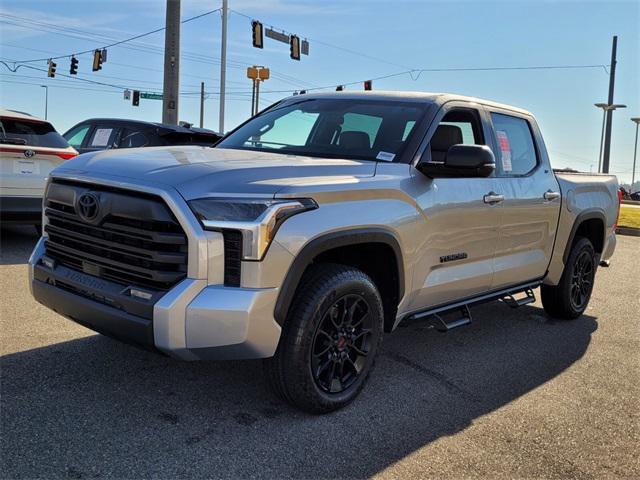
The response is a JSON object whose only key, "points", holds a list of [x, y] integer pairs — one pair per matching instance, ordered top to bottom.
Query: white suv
{"points": [[29, 149]]}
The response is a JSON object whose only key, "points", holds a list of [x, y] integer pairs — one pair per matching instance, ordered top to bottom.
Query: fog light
{"points": [[134, 292]]}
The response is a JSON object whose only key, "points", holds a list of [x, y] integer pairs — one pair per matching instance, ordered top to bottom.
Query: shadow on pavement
{"points": [[16, 243], [93, 407]]}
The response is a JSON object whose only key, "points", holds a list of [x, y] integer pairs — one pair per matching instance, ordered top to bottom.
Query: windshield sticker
{"points": [[101, 137], [505, 150], [386, 156]]}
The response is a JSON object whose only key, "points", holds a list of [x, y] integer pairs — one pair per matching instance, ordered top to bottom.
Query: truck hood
{"points": [[201, 171]]}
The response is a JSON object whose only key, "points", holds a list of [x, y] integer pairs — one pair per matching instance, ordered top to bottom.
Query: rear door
{"points": [[29, 150], [531, 206]]}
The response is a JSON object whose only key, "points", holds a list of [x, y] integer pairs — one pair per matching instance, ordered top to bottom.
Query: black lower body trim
{"points": [[480, 298], [101, 318]]}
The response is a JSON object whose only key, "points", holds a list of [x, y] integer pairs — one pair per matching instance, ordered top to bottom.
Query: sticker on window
{"points": [[101, 137], [505, 150], [386, 156]]}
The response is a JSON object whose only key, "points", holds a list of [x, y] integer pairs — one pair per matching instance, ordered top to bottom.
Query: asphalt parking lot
{"points": [[513, 395]]}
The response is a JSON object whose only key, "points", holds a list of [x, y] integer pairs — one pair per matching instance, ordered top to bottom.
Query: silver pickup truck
{"points": [[317, 226]]}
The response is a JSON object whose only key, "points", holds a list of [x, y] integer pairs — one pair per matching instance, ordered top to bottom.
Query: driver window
{"points": [[459, 126]]}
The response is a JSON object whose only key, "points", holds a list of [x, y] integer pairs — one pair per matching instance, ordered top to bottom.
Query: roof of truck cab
{"points": [[438, 98]]}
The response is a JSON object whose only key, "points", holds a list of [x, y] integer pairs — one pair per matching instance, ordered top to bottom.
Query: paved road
{"points": [[511, 396]]}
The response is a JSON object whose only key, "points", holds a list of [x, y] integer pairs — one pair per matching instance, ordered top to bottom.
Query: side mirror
{"points": [[462, 161]]}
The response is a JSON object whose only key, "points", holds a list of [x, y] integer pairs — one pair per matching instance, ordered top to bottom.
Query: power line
{"points": [[126, 40], [141, 47]]}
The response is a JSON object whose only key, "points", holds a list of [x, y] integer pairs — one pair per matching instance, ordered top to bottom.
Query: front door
{"points": [[457, 230]]}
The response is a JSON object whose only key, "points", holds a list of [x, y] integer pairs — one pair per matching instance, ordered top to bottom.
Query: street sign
{"points": [[281, 37], [151, 96]]}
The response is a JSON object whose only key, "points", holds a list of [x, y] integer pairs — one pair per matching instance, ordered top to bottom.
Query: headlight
{"points": [[258, 219]]}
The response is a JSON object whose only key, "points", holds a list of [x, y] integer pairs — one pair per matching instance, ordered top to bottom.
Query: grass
{"points": [[629, 216]]}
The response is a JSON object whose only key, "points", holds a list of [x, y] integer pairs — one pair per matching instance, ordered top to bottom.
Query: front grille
{"points": [[134, 241], [232, 257]]}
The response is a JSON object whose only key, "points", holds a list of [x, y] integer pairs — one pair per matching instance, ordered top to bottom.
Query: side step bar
{"points": [[508, 296], [514, 302], [442, 325]]}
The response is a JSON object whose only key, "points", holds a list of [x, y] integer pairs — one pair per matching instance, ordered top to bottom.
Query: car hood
{"points": [[203, 171]]}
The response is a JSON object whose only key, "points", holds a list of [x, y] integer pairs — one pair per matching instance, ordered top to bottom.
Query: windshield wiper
{"points": [[13, 141]]}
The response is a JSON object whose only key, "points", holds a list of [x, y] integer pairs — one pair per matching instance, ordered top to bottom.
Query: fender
{"points": [[588, 215], [328, 242]]}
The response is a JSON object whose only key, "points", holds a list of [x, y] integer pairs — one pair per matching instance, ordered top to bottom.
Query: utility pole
{"points": [[223, 64], [171, 86], [46, 99], [201, 104], [635, 120], [607, 134]]}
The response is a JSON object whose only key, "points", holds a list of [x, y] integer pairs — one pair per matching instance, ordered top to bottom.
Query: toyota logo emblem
{"points": [[29, 153], [88, 206]]}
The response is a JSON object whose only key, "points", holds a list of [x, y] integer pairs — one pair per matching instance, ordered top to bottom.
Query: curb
{"points": [[633, 232]]}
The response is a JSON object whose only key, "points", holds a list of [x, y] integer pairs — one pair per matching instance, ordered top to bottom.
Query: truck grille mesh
{"points": [[136, 241]]}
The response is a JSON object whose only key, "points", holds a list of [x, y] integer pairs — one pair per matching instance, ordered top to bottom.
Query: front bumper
{"points": [[193, 321]]}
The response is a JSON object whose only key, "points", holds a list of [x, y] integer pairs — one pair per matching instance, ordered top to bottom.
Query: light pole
{"points": [[46, 99], [605, 108], [635, 120]]}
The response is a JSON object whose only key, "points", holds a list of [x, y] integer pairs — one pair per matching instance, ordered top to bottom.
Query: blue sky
{"points": [[387, 36]]}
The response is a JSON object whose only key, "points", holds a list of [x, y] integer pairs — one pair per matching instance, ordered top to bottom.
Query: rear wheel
{"points": [[569, 299], [330, 339]]}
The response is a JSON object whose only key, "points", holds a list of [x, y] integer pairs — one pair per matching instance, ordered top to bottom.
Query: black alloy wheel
{"points": [[582, 280], [341, 344]]}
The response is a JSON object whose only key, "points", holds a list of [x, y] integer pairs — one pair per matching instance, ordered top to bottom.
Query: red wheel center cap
{"points": [[341, 342]]}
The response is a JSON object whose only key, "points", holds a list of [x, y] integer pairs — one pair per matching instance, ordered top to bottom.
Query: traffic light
{"points": [[258, 37], [294, 47], [103, 55], [97, 60], [73, 69], [51, 71], [368, 85], [339, 88], [136, 98]]}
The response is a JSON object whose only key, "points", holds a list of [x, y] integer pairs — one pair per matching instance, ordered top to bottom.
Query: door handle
{"points": [[551, 195], [493, 197]]}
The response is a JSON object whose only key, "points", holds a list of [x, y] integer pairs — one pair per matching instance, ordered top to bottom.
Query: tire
{"points": [[569, 299], [330, 339]]}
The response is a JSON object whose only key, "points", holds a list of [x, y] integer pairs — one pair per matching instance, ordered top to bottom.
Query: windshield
{"points": [[332, 128], [33, 134]]}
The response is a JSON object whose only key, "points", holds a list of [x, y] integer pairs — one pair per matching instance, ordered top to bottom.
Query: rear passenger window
{"points": [[516, 151]]}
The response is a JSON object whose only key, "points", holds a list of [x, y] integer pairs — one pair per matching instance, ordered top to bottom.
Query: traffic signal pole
{"points": [[223, 64], [171, 85], [201, 104], [607, 133]]}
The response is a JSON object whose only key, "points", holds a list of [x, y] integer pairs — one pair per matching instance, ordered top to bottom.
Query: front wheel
{"points": [[569, 299], [330, 339]]}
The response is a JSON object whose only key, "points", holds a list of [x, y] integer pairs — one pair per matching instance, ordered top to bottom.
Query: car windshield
{"points": [[331, 128], [33, 134]]}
